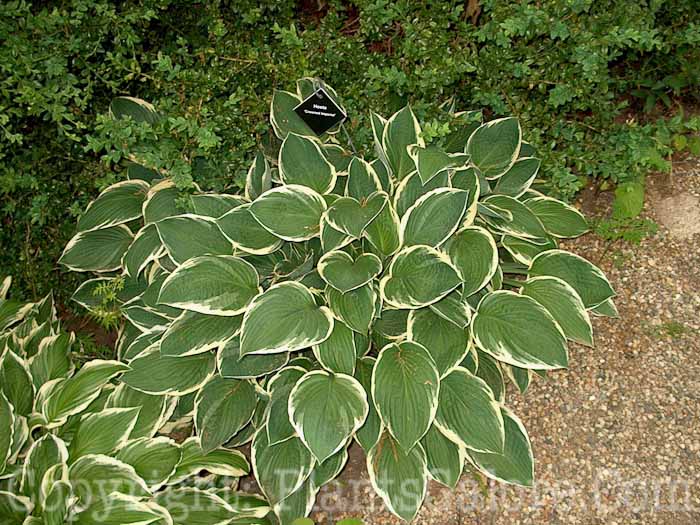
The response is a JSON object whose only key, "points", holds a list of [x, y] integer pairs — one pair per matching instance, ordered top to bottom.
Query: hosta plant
{"points": [[381, 300], [76, 448]]}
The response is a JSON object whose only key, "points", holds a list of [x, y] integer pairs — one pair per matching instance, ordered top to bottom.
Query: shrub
{"points": [[381, 300], [76, 448]]}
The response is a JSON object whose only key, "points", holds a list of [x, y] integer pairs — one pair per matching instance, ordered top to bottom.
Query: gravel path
{"points": [[616, 437]]}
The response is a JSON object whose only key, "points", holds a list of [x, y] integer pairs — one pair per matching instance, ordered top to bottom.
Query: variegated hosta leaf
{"points": [[135, 108], [283, 118], [400, 131], [495, 146], [430, 161], [302, 162], [259, 177], [518, 178], [363, 181], [412, 188], [161, 202], [118, 204], [215, 205], [292, 212], [352, 216], [434, 217], [559, 219], [523, 222], [384, 231], [246, 233], [188, 236], [332, 239], [97, 250], [525, 250], [474, 253], [344, 273], [418, 276], [587, 279], [216, 285], [562, 301], [355, 308], [606, 308], [453, 309], [282, 319], [392, 324], [519, 331], [194, 333], [446, 342], [338, 353], [53, 359], [231, 363], [408, 368], [490, 371], [155, 374], [16, 383], [76, 393], [222, 408], [154, 410], [326, 410], [468, 413], [7, 424], [279, 426], [103, 432], [368, 434], [44, 453], [153, 459], [445, 459], [221, 462], [515, 464], [280, 469], [330, 469], [95, 477], [400, 477], [57, 503], [245, 505], [192, 506], [295, 507], [14, 508], [120, 509]]}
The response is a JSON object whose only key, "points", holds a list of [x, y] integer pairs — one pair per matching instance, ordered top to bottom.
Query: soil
{"points": [[616, 437]]}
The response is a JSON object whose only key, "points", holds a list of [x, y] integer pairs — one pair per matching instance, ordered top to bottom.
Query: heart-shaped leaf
{"points": [[351, 216], [343, 273]]}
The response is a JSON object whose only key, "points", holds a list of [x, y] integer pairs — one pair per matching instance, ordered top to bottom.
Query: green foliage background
{"points": [[571, 70]]}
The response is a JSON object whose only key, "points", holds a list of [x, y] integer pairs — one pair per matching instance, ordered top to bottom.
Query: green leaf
{"points": [[137, 109], [283, 118], [401, 131], [495, 146], [430, 161], [302, 162], [259, 177], [518, 178], [363, 181], [412, 188], [629, 200], [161, 202], [118, 204], [215, 205], [292, 212], [352, 217], [434, 217], [559, 219], [524, 223], [384, 231], [246, 233], [188, 236], [332, 239], [97, 250], [524, 251], [474, 253], [343, 273], [417, 277], [587, 279], [211, 284], [564, 304], [355, 308], [606, 308], [453, 309], [284, 318], [393, 324], [519, 331], [194, 333], [446, 342], [337, 353], [53, 359], [232, 364], [407, 368], [490, 371], [153, 373], [16, 383], [74, 394], [222, 408], [154, 410], [326, 410], [468, 412], [7, 424], [279, 426], [103, 432], [368, 434], [44, 453], [153, 459], [445, 459], [220, 462], [515, 465], [282, 468], [330, 469], [95, 476], [398, 477], [300, 503], [56, 505], [192, 506], [13, 508], [120, 509]]}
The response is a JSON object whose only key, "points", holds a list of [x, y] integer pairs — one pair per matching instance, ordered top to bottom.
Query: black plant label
{"points": [[320, 112]]}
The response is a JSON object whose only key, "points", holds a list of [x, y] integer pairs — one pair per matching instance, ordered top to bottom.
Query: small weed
{"points": [[629, 230], [672, 329]]}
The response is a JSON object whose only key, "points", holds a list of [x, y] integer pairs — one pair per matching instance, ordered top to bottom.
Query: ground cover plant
{"points": [[577, 73], [383, 300], [77, 448]]}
